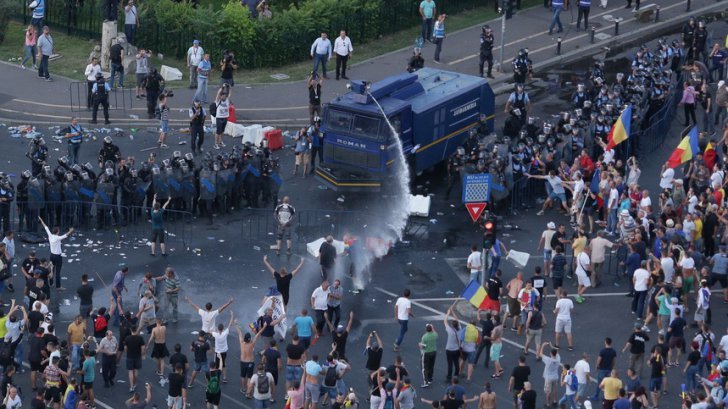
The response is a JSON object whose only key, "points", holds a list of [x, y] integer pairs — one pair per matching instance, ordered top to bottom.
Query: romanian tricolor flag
{"points": [[620, 130], [685, 151], [709, 156], [476, 294]]}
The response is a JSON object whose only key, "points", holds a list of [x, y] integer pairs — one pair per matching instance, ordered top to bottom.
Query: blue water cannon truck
{"points": [[431, 110]]}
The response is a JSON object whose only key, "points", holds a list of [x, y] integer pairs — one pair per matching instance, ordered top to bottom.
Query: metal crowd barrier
{"points": [[121, 99], [127, 223], [259, 225]]}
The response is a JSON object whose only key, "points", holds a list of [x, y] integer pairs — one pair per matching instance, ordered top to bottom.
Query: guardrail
{"points": [[119, 99], [126, 222]]}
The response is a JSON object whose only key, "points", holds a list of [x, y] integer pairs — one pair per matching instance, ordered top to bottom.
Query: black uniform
{"points": [[688, 38], [486, 53], [521, 69], [153, 86], [101, 97], [197, 128], [454, 166], [7, 193], [22, 202]]}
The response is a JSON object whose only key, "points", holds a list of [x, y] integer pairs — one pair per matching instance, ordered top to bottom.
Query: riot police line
{"points": [[648, 85], [119, 191]]}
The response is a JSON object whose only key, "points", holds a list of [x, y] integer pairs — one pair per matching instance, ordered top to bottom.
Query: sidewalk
{"points": [[25, 98]]}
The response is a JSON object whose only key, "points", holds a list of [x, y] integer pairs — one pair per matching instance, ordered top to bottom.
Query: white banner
{"points": [[276, 303]]}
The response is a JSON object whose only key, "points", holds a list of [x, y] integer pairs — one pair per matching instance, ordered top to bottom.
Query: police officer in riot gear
{"points": [[688, 37], [701, 38], [486, 50], [522, 67], [153, 84], [100, 92], [518, 100], [109, 152], [38, 155], [454, 169], [7, 193], [130, 195], [53, 196], [72, 197], [106, 199], [22, 200]]}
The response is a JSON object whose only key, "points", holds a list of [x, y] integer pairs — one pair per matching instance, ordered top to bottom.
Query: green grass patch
{"points": [[75, 50]]}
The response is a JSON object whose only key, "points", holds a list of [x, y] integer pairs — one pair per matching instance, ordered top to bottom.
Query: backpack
{"points": [[100, 323], [330, 378], [574, 383], [213, 385], [263, 385], [389, 401]]}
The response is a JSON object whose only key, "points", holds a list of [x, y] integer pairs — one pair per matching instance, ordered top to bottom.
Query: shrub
{"points": [[6, 9]]}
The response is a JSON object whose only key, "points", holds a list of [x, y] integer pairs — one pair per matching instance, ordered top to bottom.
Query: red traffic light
{"points": [[488, 225]]}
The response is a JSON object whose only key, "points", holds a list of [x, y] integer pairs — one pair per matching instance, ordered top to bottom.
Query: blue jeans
{"points": [[555, 19], [427, 29], [30, 51], [320, 59], [43, 67], [114, 69], [201, 93], [73, 149], [612, 220], [495, 263], [476, 276], [117, 299], [638, 303], [402, 331], [19, 354], [76, 356], [601, 374], [690, 382], [568, 399], [261, 403]]}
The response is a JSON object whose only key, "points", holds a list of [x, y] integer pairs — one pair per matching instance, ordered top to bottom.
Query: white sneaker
{"points": [[222, 144], [217, 146], [540, 213], [646, 328]]}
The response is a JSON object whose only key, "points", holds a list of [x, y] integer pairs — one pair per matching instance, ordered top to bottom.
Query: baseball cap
{"points": [[195, 41], [551, 225], [637, 325], [340, 328]]}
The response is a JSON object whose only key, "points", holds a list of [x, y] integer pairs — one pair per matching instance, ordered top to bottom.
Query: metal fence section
{"points": [[85, 17], [119, 99], [128, 223], [259, 226]]}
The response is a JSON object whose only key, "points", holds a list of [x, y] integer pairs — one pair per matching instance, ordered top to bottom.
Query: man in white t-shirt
{"points": [[194, 56], [668, 175], [558, 192], [646, 202], [612, 206], [688, 227], [545, 242], [599, 246], [475, 264], [667, 264], [583, 266], [641, 283], [319, 302], [402, 313], [208, 315], [563, 318], [221, 345], [723, 345], [582, 369], [551, 373], [262, 387]]}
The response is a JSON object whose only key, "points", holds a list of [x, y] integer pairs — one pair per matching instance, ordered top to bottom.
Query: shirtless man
{"points": [[514, 307], [159, 336], [247, 358], [487, 398]]}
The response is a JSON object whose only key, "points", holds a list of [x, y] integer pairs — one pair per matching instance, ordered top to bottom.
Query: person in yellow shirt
{"points": [[4, 319], [76, 336], [611, 386]]}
